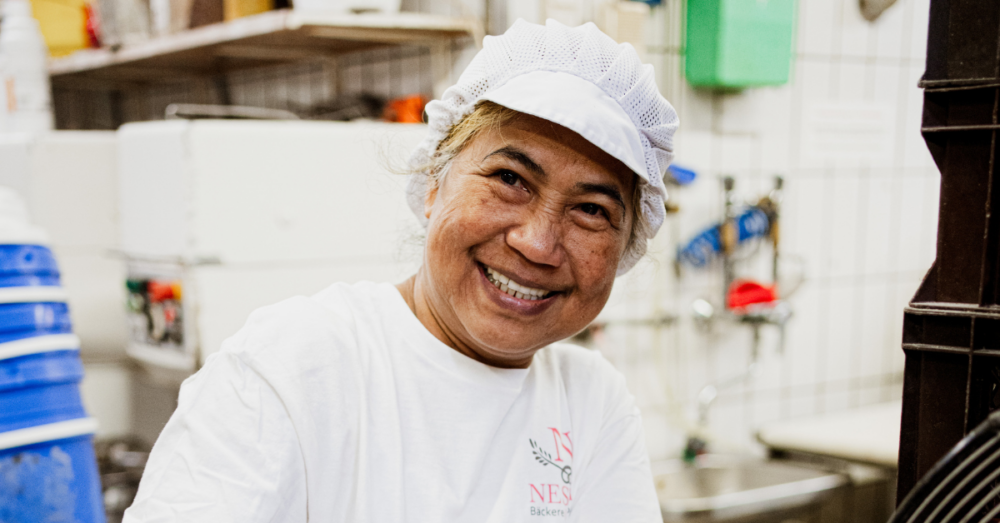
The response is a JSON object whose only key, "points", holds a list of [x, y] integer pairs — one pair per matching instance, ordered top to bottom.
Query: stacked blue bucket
{"points": [[48, 472]]}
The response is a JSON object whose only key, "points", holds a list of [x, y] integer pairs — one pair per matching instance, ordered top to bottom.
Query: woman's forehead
{"points": [[542, 146]]}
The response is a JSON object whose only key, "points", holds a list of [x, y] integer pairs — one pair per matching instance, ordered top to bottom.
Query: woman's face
{"points": [[541, 212]]}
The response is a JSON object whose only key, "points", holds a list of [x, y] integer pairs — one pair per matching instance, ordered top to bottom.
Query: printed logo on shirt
{"points": [[561, 440], [553, 499]]}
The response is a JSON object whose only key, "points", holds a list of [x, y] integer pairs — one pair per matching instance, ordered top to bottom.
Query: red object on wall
{"points": [[743, 293]]}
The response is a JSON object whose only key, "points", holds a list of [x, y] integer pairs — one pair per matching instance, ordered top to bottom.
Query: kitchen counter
{"points": [[868, 434]]}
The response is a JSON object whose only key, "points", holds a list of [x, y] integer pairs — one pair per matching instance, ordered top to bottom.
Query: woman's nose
{"points": [[539, 239]]}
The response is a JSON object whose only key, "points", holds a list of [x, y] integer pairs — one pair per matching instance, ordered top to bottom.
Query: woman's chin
{"points": [[503, 334], [513, 345], [506, 357]]}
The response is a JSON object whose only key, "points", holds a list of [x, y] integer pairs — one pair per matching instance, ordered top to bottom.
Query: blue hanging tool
{"points": [[680, 175], [752, 223]]}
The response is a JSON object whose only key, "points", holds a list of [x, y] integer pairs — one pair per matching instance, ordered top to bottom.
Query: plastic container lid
{"points": [[27, 265], [32, 294], [26, 320], [38, 344], [34, 370], [39, 389], [49, 432]]}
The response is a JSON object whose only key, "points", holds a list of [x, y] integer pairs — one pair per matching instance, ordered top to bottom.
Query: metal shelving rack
{"points": [[272, 52]]}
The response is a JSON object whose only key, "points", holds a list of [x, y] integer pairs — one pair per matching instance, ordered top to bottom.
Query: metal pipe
{"points": [[775, 197], [727, 237]]}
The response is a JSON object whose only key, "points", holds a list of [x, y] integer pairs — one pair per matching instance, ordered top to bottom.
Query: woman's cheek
{"points": [[486, 211], [465, 223], [596, 254]]}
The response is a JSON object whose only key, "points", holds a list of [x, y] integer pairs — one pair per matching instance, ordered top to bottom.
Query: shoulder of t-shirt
{"points": [[297, 326], [587, 374]]}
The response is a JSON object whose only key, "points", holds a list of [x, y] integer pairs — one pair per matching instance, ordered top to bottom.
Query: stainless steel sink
{"points": [[728, 488]]}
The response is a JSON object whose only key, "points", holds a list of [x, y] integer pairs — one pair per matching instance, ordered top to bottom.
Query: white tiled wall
{"points": [[860, 227]]}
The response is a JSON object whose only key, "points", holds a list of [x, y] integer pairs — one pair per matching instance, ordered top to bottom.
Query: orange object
{"points": [[409, 109], [161, 291], [743, 293]]}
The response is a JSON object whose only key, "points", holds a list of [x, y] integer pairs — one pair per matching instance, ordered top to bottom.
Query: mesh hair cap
{"points": [[578, 78]]}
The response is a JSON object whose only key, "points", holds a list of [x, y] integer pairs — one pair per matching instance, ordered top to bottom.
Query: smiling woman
{"points": [[526, 228], [449, 397]]}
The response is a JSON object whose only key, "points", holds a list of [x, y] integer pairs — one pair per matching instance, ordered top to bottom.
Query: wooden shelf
{"points": [[270, 38]]}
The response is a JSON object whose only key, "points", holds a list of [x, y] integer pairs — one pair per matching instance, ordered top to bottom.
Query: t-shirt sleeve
{"points": [[228, 454], [618, 484]]}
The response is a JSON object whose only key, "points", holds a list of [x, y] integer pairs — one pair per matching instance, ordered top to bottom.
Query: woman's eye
{"points": [[509, 178], [591, 208]]}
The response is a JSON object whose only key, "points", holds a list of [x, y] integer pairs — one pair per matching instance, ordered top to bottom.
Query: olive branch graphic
{"points": [[546, 459]]}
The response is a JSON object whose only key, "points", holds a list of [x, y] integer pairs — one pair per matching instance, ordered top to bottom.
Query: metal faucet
{"points": [[704, 314], [756, 316], [709, 393], [696, 443]]}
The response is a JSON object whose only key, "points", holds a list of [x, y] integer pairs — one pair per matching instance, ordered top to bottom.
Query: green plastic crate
{"points": [[739, 43]]}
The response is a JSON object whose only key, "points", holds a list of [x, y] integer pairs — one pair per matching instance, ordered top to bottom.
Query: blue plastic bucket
{"points": [[27, 265], [25, 320], [38, 389], [53, 479]]}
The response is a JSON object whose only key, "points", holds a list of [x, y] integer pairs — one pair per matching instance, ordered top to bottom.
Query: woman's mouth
{"points": [[513, 288]]}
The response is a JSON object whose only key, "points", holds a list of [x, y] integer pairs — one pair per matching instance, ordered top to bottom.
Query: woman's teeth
{"points": [[519, 291]]}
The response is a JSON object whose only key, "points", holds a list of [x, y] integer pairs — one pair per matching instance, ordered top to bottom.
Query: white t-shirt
{"points": [[342, 407]]}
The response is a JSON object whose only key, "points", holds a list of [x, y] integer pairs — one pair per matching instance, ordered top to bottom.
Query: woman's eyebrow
{"points": [[519, 156], [606, 189]]}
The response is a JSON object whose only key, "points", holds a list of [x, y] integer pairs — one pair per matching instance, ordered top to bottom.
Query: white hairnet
{"points": [[576, 77]]}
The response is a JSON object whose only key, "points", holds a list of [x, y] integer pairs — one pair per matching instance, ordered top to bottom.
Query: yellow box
{"points": [[239, 8], [63, 24]]}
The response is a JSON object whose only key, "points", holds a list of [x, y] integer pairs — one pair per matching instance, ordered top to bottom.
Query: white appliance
{"points": [[69, 181], [220, 217]]}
